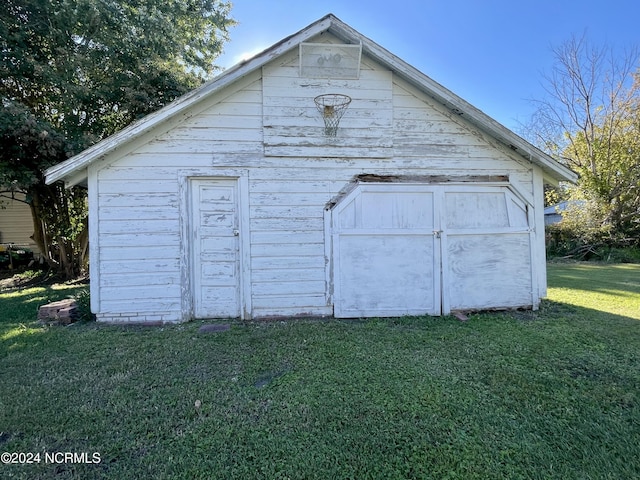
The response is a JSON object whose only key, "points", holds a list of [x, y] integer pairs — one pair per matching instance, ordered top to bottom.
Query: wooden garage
{"points": [[324, 176]]}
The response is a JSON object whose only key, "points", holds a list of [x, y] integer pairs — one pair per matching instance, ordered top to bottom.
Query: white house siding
{"points": [[16, 224], [136, 241]]}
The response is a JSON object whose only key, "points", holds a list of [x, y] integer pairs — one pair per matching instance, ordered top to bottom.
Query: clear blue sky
{"points": [[492, 53]]}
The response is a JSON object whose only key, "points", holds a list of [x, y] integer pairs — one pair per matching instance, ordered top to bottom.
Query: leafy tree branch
{"points": [[75, 71]]}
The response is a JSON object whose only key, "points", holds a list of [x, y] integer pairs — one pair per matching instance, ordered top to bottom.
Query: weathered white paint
{"points": [[326, 28], [322, 60], [293, 127], [258, 129], [286, 198], [486, 235], [538, 247], [429, 249], [385, 258], [215, 261], [197, 278]]}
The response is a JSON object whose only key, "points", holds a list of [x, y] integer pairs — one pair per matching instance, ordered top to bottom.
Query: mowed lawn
{"points": [[552, 394]]}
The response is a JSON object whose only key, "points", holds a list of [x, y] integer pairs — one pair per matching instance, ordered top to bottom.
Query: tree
{"points": [[75, 71], [591, 121]]}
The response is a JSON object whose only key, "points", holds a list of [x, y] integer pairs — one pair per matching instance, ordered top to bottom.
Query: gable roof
{"points": [[73, 170]]}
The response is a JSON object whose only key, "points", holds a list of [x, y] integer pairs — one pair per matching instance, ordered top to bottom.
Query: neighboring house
{"points": [[236, 201], [553, 213], [16, 222]]}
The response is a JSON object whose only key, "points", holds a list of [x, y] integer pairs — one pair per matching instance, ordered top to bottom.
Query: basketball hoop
{"points": [[332, 106]]}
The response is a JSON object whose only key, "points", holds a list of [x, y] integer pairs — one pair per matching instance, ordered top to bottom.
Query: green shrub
{"points": [[586, 233], [562, 242], [621, 255], [83, 299]]}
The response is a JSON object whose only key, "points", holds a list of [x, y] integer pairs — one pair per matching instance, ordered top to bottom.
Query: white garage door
{"points": [[411, 249]]}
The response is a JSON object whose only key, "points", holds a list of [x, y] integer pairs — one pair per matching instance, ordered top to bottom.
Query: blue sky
{"points": [[492, 53]]}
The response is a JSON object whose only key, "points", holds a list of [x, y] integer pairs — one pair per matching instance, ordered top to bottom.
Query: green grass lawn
{"points": [[531, 395]]}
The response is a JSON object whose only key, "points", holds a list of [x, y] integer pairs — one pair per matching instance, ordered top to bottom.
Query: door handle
{"points": [[236, 232], [437, 233]]}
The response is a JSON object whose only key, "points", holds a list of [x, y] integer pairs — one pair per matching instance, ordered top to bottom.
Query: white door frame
{"points": [[185, 178]]}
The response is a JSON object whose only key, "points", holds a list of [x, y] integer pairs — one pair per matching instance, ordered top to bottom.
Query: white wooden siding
{"points": [[293, 127], [136, 222], [139, 244]]}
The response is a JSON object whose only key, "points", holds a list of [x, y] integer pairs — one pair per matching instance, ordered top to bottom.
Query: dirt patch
{"points": [[214, 328]]}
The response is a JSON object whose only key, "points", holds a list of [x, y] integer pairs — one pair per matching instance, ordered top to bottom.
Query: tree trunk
{"points": [[52, 211], [39, 228]]}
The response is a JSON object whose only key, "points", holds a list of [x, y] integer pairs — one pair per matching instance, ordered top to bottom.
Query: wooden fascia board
{"points": [[475, 116], [133, 131], [127, 134], [549, 166], [78, 177]]}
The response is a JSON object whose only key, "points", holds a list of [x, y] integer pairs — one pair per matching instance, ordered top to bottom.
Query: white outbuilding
{"points": [[324, 176]]}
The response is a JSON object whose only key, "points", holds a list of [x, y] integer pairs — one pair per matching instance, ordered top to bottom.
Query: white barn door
{"points": [[412, 249], [487, 249], [386, 259], [215, 261]]}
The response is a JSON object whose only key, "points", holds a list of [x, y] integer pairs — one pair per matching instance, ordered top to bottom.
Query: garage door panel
{"points": [[405, 209], [396, 210], [476, 210], [518, 214], [488, 271], [385, 275]]}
